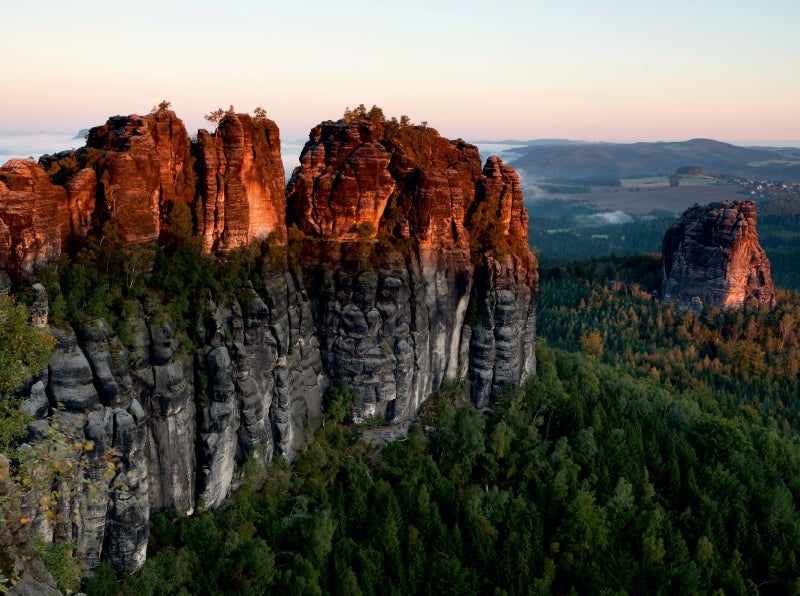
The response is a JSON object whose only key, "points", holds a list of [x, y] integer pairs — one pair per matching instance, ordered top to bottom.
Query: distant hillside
{"points": [[532, 143], [559, 160]]}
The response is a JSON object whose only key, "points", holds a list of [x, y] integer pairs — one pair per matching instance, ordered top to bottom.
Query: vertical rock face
{"points": [[143, 165], [133, 170], [343, 183], [241, 184], [500, 184], [81, 197], [407, 209], [32, 213], [711, 257], [502, 349], [164, 379], [264, 383], [91, 390], [178, 426]]}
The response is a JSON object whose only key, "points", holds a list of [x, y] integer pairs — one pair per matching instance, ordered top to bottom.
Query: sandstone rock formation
{"points": [[143, 165], [133, 171], [241, 182], [81, 196], [414, 209], [32, 213], [711, 257], [408, 267], [502, 346], [91, 392], [178, 425]]}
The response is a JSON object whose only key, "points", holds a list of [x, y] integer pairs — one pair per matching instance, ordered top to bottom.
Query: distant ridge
{"points": [[531, 143], [582, 160]]}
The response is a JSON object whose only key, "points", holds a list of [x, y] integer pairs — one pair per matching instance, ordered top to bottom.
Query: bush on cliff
{"points": [[24, 352]]}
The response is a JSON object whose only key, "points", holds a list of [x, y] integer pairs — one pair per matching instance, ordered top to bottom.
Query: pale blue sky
{"points": [[581, 69]]}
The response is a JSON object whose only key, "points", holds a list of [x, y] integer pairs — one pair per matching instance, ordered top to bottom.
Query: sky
{"points": [[617, 70]]}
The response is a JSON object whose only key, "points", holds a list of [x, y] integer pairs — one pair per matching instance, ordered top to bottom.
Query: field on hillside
{"points": [[643, 195]]}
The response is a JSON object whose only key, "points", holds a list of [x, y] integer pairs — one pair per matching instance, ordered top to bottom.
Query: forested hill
{"points": [[622, 160], [655, 451]]}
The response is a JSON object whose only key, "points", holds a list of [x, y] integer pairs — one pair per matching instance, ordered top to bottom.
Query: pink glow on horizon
{"points": [[594, 71]]}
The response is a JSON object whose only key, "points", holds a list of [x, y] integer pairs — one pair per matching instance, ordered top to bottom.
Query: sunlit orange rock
{"points": [[144, 164], [241, 186], [81, 195], [32, 213], [712, 257], [450, 289]]}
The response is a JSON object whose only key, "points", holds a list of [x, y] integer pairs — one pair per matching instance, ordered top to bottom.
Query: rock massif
{"points": [[143, 166], [132, 172], [711, 257], [395, 261], [414, 290], [178, 424]]}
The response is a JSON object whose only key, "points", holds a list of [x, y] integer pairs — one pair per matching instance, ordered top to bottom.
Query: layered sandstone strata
{"points": [[143, 166], [241, 182]]}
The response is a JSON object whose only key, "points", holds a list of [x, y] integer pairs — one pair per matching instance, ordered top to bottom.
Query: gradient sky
{"points": [[582, 69]]}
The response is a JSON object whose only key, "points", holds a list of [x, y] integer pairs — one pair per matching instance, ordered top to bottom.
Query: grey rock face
{"points": [[447, 278], [365, 326], [396, 332], [502, 350], [108, 359], [298, 379], [265, 381], [71, 382], [90, 393], [168, 400], [36, 405], [178, 420], [176, 424], [219, 426], [115, 522], [127, 531]]}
